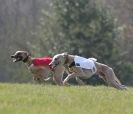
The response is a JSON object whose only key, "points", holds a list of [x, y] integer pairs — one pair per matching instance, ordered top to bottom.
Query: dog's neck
{"points": [[26, 59], [69, 59], [66, 60], [28, 62]]}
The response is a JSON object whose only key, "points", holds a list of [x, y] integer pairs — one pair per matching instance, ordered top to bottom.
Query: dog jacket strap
{"points": [[72, 64]]}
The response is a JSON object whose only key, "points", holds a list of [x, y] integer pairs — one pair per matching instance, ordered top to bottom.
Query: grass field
{"points": [[48, 99]]}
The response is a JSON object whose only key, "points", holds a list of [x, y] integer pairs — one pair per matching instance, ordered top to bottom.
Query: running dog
{"points": [[39, 67], [85, 68]]}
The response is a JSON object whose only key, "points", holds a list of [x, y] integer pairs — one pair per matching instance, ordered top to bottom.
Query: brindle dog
{"points": [[104, 71], [40, 73]]}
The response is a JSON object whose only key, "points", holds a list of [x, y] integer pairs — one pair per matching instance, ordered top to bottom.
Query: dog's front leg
{"points": [[58, 75], [72, 75], [36, 79], [58, 79]]}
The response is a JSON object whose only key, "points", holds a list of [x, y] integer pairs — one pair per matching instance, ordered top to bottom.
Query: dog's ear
{"points": [[27, 53], [65, 54]]}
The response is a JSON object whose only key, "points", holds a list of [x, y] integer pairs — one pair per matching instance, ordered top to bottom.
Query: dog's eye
{"points": [[56, 59]]}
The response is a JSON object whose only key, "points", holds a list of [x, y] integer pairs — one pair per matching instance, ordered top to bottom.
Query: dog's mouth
{"points": [[16, 58], [53, 66]]}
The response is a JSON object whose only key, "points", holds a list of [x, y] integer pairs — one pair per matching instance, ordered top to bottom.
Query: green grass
{"points": [[48, 99]]}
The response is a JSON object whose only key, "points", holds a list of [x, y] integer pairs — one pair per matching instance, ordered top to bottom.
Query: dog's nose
{"points": [[12, 56]]}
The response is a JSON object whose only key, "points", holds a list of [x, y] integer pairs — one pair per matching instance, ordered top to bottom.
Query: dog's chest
{"points": [[34, 70]]}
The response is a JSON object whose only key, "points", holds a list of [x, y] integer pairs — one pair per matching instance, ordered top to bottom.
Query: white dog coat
{"points": [[85, 63]]}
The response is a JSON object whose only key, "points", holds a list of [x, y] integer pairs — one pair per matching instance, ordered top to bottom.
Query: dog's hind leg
{"points": [[110, 76], [112, 79], [80, 82]]}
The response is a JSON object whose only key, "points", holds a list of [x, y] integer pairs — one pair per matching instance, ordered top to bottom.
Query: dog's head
{"points": [[20, 56], [58, 59]]}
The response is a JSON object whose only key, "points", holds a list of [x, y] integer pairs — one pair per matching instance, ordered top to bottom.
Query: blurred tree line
{"points": [[89, 28]]}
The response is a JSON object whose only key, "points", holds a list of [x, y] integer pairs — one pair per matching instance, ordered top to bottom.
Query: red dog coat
{"points": [[41, 61]]}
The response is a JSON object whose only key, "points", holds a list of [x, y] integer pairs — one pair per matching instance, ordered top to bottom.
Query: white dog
{"points": [[85, 68]]}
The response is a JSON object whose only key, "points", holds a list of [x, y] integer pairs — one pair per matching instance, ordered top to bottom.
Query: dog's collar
{"points": [[26, 59]]}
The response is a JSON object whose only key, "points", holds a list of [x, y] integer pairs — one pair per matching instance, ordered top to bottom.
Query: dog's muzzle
{"points": [[16, 58], [54, 65]]}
